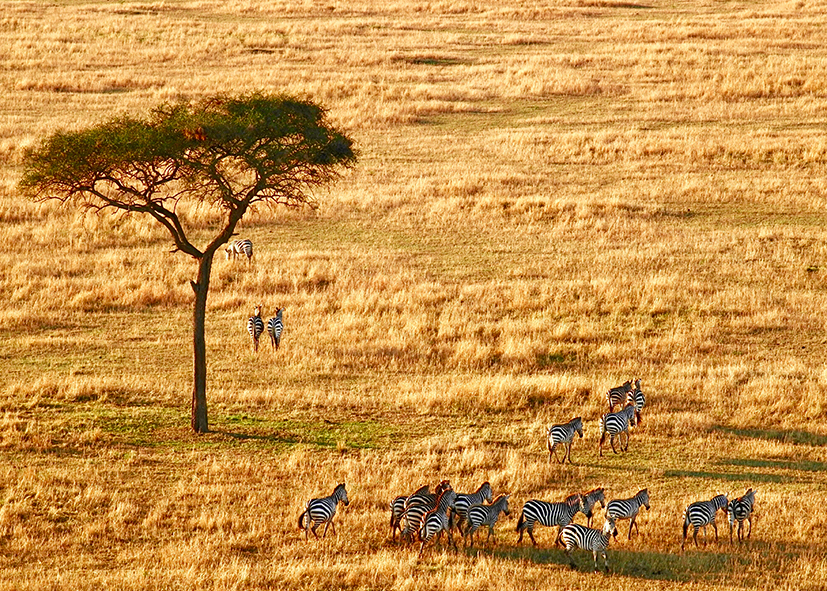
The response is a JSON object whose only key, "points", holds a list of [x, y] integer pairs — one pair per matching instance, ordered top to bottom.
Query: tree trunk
{"points": [[199, 345]]}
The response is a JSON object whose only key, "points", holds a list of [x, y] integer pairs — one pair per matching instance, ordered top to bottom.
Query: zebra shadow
{"points": [[783, 435], [687, 567]]}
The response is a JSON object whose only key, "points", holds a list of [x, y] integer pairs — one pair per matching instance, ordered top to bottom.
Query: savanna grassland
{"points": [[551, 198]]}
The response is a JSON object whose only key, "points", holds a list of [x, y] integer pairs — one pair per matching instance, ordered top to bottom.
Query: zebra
{"points": [[240, 247], [255, 326], [274, 328], [617, 395], [637, 398], [615, 424], [563, 434], [590, 499], [400, 503], [417, 505], [628, 509], [740, 510], [321, 511], [460, 511], [548, 514], [700, 514], [479, 515], [436, 521], [575, 535]]}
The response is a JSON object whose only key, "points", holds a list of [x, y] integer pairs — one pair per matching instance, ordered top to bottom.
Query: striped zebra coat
{"points": [[242, 247], [255, 326], [274, 328], [617, 396], [638, 399], [615, 424], [563, 435], [590, 499], [417, 505], [398, 506], [628, 509], [740, 510], [321, 511], [459, 513], [548, 514], [700, 514], [479, 515], [436, 521], [575, 535]]}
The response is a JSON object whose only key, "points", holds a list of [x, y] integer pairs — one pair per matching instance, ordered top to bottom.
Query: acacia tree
{"points": [[230, 154]]}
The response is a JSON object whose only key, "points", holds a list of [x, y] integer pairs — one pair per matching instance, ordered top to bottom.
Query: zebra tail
{"points": [[301, 519]]}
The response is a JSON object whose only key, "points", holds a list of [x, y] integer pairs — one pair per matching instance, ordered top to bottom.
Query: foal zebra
{"points": [[240, 247], [255, 326], [274, 328], [617, 395], [637, 398], [615, 424], [563, 434], [590, 499], [463, 501], [628, 509], [740, 510], [321, 511], [548, 514], [700, 514], [479, 515], [436, 521], [575, 535]]}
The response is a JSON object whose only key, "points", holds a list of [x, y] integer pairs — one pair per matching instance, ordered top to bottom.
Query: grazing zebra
{"points": [[240, 247], [255, 326], [274, 328], [617, 395], [637, 398], [615, 424], [563, 434], [590, 499], [628, 509], [740, 510], [321, 511], [460, 511], [548, 514], [700, 514], [479, 515], [436, 521], [575, 535]]}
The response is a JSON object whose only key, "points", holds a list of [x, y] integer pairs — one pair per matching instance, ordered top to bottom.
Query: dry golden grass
{"points": [[552, 197]]}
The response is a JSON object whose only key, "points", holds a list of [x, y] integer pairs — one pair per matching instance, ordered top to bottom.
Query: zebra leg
{"points": [[612, 441], [600, 444], [568, 453], [631, 523], [715, 527], [749, 533], [531, 534], [695, 536], [571, 558], [606, 560]]}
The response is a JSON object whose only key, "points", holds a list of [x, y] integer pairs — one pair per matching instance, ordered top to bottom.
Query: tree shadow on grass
{"points": [[782, 435], [746, 477]]}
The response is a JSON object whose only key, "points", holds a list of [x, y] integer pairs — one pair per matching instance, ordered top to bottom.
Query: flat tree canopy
{"points": [[227, 153]]}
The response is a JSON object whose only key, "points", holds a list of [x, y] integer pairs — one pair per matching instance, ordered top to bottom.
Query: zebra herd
{"points": [[255, 324], [424, 516]]}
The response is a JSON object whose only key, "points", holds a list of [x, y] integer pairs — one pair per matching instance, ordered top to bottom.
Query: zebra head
{"points": [[258, 310], [578, 426], [487, 492], [341, 494], [644, 498], [503, 500], [609, 528]]}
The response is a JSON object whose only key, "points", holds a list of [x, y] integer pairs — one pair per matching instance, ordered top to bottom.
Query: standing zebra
{"points": [[240, 247], [255, 326], [274, 328], [617, 395], [637, 398], [615, 424], [563, 434], [590, 499], [417, 505], [398, 506], [628, 509], [740, 510], [321, 511], [460, 511], [548, 514], [700, 514], [479, 515], [436, 521], [575, 535]]}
